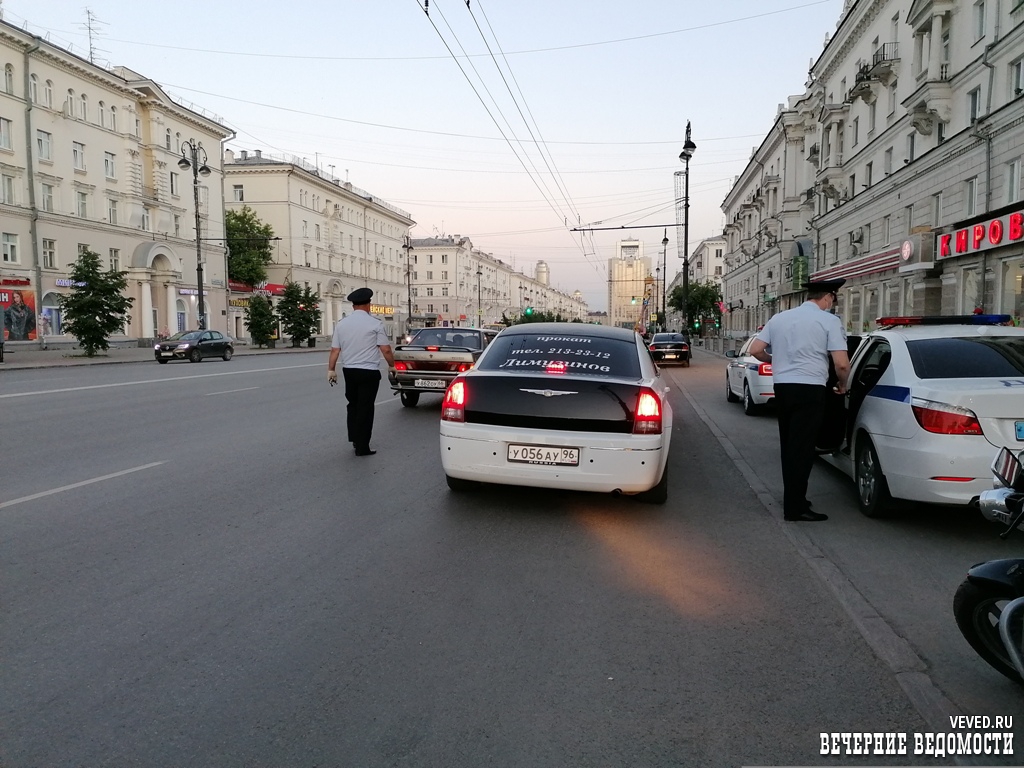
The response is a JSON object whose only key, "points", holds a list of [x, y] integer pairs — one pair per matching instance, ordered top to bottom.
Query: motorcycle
{"points": [[989, 604]]}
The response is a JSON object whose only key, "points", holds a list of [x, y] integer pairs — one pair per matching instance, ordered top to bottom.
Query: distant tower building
{"points": [[627, 272], [543, 273]]}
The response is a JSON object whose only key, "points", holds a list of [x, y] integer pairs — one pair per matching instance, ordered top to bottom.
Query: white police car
{"points": [[749, 379], [931, 400]]}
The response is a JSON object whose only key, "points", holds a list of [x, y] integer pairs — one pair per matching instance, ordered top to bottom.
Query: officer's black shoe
{"points": [[807, 516]]}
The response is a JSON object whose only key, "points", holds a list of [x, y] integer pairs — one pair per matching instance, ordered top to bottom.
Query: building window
{"points": [[979, 20], [1017, 78], [9, 79], [33, 89], [48, 94], [892, 97], [974, 104], [69, 106], [83, 109], [872, 113], [101, 114], [113, 118], [855, 132], [940, 132], [5, 133], [167, 139], [44, 143], [911, 146], [78, 155], [887, 162], [108, 165], [868, 168], [174, 184], [1013, 187], [7, 190], [853, 191], [239, 193], [971, 196], [47, 197], [82, 204], [936, 209], [112, 211], [909, 217], [147, 219], [177, 225], [305, 229], [886, 230], [316, 232], [9, 243], [83, 248], [49, 254], [430, 258], [444, 258], [115, 260], [430, 275], [430, 291], [444, 291]]}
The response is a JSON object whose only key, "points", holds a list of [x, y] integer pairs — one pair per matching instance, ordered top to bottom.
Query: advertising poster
{"points": [[19, 308]]}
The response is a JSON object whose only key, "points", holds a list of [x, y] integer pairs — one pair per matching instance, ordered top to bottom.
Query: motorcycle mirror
{"points": [[1008, 470]]}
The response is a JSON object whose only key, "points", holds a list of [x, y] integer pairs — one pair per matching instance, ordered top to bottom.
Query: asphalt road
{"points": [[198, 571]]}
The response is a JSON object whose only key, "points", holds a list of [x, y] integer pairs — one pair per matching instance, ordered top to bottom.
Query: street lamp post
{"points": [[688, 149], [194, 156], [657, 282], [408, 285], [664, 299], [479, 309]]}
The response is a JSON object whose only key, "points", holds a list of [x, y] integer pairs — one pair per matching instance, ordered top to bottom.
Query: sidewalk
{"points": [[21, 358]]}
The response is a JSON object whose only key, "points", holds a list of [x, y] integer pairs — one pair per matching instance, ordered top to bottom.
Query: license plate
{"points": [[168, 354], [670, 354], [431, 383], [1019, 426], [541, 454]]}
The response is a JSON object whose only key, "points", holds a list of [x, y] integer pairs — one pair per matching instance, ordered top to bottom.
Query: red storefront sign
{"points": [[983, 236], [260, 289]]}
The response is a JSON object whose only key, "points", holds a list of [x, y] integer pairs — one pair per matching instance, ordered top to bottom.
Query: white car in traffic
{"points": [[748, 379]]}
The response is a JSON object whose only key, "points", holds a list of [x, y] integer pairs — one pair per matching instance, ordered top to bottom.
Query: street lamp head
{"points": [[688, 149], [184, 164], [204, 171], [664, 242]]}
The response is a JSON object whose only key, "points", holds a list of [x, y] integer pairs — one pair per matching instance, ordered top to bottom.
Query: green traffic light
{"points": [[528, 311]]}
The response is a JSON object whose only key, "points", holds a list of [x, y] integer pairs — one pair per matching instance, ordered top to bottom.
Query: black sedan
{"points": [[194, 346], [668, 348]]}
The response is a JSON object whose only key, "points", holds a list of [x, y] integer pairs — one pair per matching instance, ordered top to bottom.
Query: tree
{"points": [[249, 249], [703, 303], [96, 306], [299, 312], [260, 320]]}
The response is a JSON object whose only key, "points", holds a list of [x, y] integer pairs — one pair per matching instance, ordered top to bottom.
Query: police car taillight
{"points": [[891, 322], [764, 369], [647, 419], [944, 419]]}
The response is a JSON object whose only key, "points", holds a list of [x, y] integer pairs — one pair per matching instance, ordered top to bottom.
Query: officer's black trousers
{"points": [[361, 391], [800, 408]]}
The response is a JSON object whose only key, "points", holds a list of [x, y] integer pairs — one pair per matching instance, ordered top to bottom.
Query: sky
{"points": [[508, 122]]}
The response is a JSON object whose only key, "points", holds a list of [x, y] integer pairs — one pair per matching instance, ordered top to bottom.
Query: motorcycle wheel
{"points": [[977, 615]]}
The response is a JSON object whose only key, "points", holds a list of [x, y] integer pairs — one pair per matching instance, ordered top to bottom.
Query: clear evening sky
{"points": [[417, 109]]}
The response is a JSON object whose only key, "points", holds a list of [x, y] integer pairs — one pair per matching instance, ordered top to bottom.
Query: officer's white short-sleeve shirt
{"points": [[358, 336], [801, 340]]}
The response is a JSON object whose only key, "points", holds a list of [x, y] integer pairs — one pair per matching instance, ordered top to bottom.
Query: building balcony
{"points": [[884, 61], [932, 98]]}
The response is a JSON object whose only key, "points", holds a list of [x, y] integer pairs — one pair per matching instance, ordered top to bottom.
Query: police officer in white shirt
{"points": [[359, 340], [800, 341]]}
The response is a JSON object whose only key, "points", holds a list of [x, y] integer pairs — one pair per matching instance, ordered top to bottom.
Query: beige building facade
{"points": [[88, 160]]}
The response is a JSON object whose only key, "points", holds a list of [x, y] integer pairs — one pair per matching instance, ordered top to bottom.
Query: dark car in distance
{"points": [[194, 346], [668, 348]]}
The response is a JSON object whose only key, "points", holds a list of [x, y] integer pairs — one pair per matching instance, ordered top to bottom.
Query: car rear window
{"points": [[445, 337], [670, 337], [579, 355], [968, 358]]}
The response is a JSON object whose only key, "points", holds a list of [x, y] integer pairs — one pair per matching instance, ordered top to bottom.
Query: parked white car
{"points": [[748, 379], [930, 402]]}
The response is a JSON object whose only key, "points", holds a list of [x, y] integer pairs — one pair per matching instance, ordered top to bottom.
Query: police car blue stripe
{"points": [[886, 392]]}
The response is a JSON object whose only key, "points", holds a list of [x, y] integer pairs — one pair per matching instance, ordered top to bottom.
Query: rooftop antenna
{"points": [[92, 29]]}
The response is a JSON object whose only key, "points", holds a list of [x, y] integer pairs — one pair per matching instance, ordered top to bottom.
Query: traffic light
{"points": [[633, 300], [528, 311], [718, 322], [696, 324]]}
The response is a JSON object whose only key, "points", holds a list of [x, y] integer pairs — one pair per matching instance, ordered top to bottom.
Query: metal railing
{"points": [[886, 52]]}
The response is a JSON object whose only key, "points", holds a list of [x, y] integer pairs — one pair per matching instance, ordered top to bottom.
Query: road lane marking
{"points": [[155, 381], [229, 391], [63, 488]]}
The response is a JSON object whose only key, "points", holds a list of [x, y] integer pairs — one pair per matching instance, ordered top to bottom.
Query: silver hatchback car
{"points": [[749, 380]]}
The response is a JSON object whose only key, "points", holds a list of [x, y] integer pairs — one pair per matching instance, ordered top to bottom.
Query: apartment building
{"points": [[912, 126], [88, 160], [332, 237], [629, 276], [455, 283]]}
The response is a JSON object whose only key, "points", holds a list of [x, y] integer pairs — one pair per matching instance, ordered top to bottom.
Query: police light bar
{"points": [[890, 322]]}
